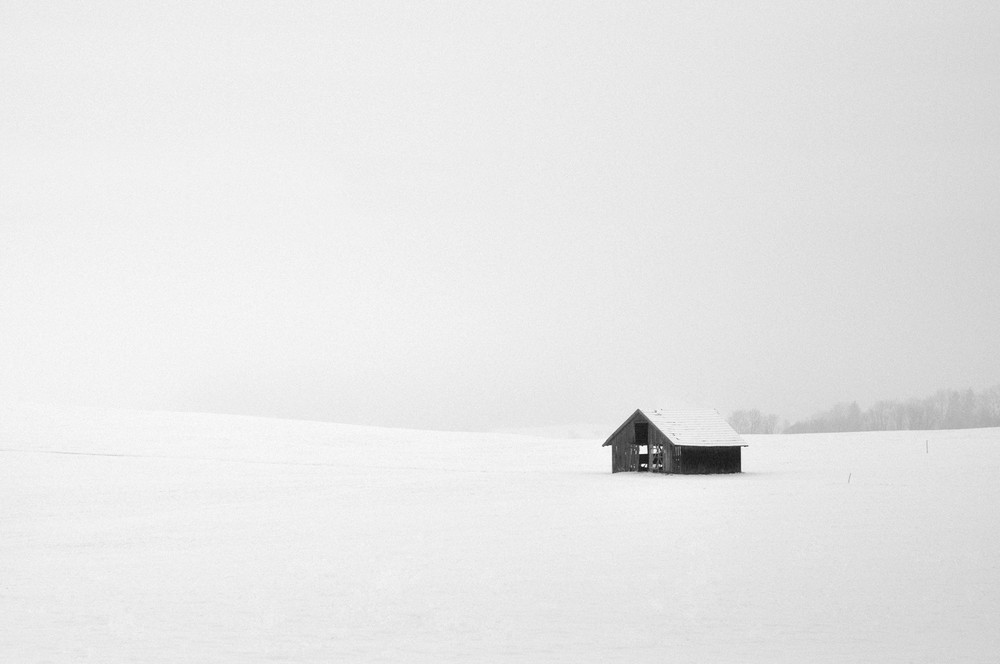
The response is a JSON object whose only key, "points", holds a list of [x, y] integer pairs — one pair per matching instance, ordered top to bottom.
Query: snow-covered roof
{"points": [[702, 427]]}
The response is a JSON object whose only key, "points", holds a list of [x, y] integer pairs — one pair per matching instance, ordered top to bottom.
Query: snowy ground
{"points": [[162, 537]]}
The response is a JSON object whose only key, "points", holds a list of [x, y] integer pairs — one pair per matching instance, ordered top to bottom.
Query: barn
{"points": [[676, 441]]}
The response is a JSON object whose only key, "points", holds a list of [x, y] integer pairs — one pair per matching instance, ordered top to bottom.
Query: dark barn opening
{"points": [[641, 433], [642, 440]]}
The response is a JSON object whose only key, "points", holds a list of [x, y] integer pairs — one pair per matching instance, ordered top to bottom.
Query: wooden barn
{"points": [[675, 441]]}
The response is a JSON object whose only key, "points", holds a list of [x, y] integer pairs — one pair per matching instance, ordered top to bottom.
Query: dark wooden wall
{"points": [[703, 460]]}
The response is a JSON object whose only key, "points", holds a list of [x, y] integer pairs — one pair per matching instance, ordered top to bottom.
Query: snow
{"points": [[165, 537]]}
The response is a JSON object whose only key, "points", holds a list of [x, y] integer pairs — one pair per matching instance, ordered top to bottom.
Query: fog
{"points": [[497, 215]]}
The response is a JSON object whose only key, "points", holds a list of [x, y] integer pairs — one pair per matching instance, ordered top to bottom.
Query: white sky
{"points": [[479, 215]]}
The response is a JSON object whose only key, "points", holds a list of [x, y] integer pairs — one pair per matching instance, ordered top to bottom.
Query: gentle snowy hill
{"points": [[166, 537]]}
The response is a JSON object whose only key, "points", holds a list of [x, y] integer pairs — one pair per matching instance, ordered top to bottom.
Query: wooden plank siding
{"points": [[701, 460]]}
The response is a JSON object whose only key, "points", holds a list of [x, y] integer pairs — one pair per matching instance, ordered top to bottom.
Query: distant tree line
{"points": [[946, 409], [752, 421]]}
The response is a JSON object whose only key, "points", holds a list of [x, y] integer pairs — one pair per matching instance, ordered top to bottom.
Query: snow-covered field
{"points": [[165, 537]]}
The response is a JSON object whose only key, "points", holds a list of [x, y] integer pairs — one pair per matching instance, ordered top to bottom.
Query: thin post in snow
{"points": [[927, 447], [848, 478]]}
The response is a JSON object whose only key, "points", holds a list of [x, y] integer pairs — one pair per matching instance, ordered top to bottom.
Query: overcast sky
{"points": [[485, 215]]}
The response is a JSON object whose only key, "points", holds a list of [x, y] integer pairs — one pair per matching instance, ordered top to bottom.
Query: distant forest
{"points": [[946, 409]]}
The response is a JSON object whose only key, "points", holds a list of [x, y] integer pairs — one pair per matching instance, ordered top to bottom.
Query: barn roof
{"points": [[703, 427]]}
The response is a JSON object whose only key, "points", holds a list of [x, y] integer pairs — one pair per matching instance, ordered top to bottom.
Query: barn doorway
{"points": [[641, 430], [651, 459]]}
